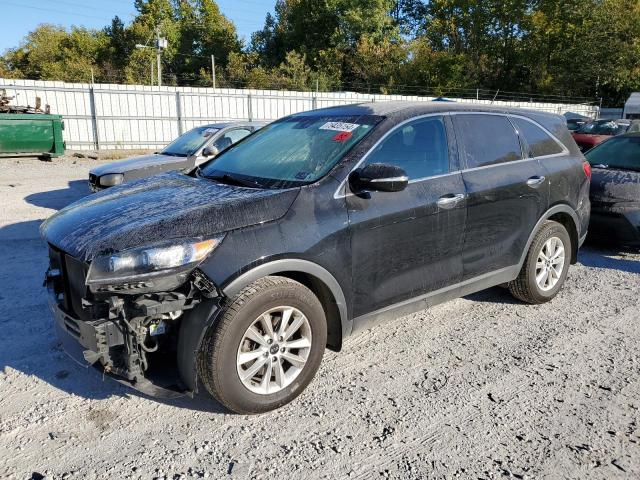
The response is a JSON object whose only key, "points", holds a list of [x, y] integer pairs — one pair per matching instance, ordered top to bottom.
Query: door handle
{"points": [[535, 181], [450, 200]]}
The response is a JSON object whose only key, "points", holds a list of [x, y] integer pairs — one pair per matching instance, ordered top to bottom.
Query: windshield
{"points": [[603, 127], [190, 142], [294, 151], [619, 152]]}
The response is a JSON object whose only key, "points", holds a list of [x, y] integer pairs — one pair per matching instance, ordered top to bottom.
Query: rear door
{"points": [[559, 168], [506, 192], [407, 243]]}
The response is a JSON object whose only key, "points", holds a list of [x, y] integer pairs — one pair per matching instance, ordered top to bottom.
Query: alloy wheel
{"points": [[550, 264], [274, 350]]}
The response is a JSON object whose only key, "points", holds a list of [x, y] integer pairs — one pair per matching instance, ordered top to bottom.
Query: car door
{"points": [[559, 167], [506, 192], [408, 243]]}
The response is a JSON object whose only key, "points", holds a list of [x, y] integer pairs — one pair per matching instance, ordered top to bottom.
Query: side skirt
{"points": [[436, 297]]}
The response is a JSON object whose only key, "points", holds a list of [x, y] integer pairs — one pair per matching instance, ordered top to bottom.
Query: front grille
{"points": [[93, 179], [70, 288]]}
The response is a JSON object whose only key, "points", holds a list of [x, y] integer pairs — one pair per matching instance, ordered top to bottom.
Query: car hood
{"points": [[149, 163], [610, 185], [159, 208]]}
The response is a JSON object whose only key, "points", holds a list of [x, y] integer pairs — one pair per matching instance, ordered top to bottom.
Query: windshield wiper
{"points": [[172, 154], [232, 180]]}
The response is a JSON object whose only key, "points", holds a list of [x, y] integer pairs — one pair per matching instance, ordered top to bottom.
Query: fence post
{"points": [[314, 102], [250, 107], [179, 112], [94, 118]]}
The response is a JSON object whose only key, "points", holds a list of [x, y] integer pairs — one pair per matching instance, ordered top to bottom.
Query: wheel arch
{"points": [[565, 215], [320, 281]]}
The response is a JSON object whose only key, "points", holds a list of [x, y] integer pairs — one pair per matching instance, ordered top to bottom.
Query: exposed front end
{"points": [[123, 329]]}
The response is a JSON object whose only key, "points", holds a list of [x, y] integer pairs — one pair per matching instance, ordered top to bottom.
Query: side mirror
{"points": [[210, 152], [380, 177]]}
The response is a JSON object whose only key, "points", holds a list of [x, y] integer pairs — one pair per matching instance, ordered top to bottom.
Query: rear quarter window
{"points": [[487, 139], [539, 142]]}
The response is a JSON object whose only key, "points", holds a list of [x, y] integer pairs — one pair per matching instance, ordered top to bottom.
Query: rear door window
{"points": [[486, 139], [539, 142], [419, 148]]}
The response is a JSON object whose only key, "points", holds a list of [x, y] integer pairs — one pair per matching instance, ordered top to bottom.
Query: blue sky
{"points": [[19, 17]]}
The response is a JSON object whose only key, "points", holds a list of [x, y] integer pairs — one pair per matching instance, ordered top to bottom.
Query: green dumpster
{"points": [[31, 134]]}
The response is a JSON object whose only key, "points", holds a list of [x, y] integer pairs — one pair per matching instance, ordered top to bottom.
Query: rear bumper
{"points": [[622, 228]]}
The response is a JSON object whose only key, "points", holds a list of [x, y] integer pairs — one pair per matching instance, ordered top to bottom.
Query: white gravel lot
{"points": [[482, 387]]}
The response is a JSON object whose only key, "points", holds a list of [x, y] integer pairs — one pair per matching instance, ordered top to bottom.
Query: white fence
{"points": [[101, 116]]}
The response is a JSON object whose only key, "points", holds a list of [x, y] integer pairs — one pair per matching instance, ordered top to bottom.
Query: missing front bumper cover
{"points": [[115, 332], [85, 344]]}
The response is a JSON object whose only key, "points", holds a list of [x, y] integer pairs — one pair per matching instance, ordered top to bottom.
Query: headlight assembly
{"points": [[111, 179], [144, 262]]}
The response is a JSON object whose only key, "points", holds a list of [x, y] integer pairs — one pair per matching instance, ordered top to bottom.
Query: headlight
{"points": [[111, 179], [140, 263]]}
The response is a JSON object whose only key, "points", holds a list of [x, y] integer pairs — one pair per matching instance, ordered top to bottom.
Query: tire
{"points": [[526, 286], [228, 339]]}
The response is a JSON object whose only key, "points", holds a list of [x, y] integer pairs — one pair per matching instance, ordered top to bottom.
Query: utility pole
{"points": [[161, 43], [158, 56], [213, 71], [92, 82]]}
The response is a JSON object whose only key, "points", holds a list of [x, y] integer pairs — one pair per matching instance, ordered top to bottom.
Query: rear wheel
{"points": [[546, 265], [266, 347]]}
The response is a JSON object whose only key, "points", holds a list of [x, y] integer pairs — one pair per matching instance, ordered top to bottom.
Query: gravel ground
{"points": [[481, 387]]}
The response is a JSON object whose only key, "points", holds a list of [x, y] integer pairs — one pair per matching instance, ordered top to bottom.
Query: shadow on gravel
{"points": [[58, 199], [592, 255], [603, 256], [494, 295]]}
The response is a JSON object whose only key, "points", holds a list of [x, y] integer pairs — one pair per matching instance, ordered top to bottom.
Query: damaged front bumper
{"points": [[133, 339], [86, 343]]}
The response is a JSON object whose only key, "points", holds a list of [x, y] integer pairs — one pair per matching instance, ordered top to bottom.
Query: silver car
{"points": [[186, 152]]}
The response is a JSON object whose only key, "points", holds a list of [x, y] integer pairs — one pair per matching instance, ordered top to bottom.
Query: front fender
{"points": [[297, 265], [192, 329]]}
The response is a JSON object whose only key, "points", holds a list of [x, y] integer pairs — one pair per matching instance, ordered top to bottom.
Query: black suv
{"points": [[238, 275]]}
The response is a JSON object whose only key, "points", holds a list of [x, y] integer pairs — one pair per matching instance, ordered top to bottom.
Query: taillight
{"points": [[587, 169]]}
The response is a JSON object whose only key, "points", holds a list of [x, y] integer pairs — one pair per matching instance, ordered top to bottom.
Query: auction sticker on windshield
{"points": [[339, 126]]}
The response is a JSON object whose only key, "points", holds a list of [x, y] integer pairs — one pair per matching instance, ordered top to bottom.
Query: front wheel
{"points": [[546, 266], [265, 348]]}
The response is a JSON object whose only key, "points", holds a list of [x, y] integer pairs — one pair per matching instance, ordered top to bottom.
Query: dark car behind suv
{"points": [[615, 190], [237, 276]]}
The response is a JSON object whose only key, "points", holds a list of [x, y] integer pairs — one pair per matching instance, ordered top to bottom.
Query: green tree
{"points": [[563, 47], [53, 53]]}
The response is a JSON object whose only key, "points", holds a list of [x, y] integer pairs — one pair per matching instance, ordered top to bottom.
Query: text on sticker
{"points": [[339, 126]]}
